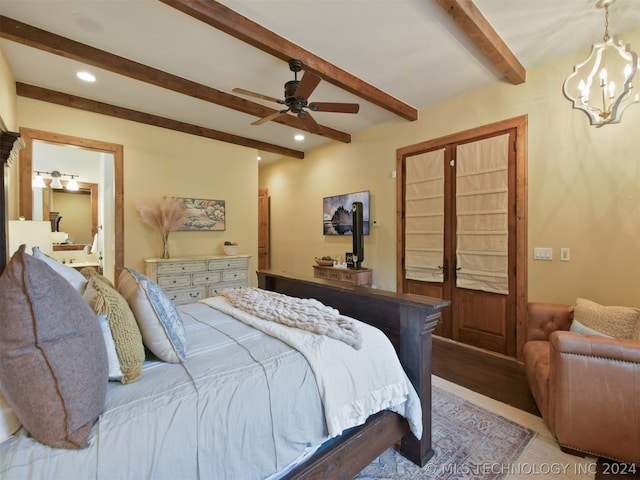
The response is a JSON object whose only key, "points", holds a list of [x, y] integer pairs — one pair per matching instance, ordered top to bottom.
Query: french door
{"points": [[459, 235]]}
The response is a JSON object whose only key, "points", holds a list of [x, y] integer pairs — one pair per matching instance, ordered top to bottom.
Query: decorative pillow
{"points": [[89, 272], [73, 276], [618, 322], [160, 323], [578, 327], [124, 329], [53, 362], [115, 373], [9, 423]]}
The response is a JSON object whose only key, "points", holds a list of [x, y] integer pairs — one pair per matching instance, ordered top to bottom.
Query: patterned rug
{"points": [[469, 442]]}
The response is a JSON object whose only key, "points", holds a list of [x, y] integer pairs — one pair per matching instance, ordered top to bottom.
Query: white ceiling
{"points": [[410, 49]]}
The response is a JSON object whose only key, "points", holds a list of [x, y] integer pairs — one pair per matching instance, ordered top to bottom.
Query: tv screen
{"points": [[336, 213]]}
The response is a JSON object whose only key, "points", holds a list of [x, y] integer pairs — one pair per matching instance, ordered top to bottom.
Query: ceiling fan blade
{"points": [[307, 85], [257, 95], [334, 107], [268, 118], [310, 122]]}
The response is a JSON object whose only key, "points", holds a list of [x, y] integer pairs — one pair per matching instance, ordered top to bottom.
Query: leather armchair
{"points": [[587, 387]]}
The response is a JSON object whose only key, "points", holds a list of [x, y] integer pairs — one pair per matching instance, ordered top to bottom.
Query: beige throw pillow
{"points": [[614, 321]]}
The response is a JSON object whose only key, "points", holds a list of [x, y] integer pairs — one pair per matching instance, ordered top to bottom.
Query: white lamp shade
{"points": [[38, 182]]}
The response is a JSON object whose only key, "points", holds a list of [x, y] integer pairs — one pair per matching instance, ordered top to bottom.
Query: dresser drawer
{"points": [[226, 264], [181, 267], [234, 275], [206, 278], [174, 281], [214, 290], [181, 296]]}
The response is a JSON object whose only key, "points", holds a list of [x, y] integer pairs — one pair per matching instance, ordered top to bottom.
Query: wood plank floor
{"points": [[490, 374]]}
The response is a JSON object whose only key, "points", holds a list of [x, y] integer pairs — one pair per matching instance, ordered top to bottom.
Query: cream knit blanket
{"points": [[303, 313]]}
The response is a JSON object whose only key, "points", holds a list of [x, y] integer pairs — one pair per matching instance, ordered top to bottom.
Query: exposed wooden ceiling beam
{"points": [[240, 27], [480, 31], [49, 42], [59, 98]]}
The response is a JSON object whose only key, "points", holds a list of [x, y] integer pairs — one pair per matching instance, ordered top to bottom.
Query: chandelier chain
{"points": [[606, 23]]}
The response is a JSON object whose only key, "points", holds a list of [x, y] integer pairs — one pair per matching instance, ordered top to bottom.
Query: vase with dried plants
{"points": [[164, 215]]}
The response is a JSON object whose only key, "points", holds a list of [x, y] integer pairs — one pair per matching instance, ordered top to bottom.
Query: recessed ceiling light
{"points": [[86, 76], [299, 137], [259, 158]]}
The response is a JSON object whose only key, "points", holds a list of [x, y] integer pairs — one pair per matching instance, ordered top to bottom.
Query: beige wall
{"points": [[7, 95], [8, 122], [160, 162], [584, 188]]}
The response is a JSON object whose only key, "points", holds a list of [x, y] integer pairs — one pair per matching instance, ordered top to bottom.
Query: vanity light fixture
{"points": [[601, 85], [38, 180]]}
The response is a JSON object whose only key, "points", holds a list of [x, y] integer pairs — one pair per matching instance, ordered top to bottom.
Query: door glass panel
{"points": [[482, 194], [424, 216]]}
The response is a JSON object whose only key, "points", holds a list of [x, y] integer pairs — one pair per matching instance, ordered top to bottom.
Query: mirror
{"points": [[108, 180], [74, 212]]}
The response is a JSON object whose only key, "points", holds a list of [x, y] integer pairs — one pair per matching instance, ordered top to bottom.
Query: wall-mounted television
{"points": [[336, 213]]}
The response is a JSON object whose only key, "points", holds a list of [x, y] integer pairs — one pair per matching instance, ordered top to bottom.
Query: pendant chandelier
{"points": [[601, 86]]}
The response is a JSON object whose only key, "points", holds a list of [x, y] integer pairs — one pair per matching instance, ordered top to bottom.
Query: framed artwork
{"points": [[336, 213], [204, 215]]}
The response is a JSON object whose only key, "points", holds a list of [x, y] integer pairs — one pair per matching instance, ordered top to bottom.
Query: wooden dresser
{"points": [[363, 276], [189, 279]]}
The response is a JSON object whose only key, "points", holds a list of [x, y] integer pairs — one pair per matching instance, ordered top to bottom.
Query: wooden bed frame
{"points": [[408, 320]]}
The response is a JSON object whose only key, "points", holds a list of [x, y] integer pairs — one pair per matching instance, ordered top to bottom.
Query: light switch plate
{"points": [[540, 253]]}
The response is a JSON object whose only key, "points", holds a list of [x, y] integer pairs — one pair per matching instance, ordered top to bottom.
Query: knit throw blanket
{"points": [[303, 313]]}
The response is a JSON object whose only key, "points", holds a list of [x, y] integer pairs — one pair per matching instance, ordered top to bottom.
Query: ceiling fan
{"points": [[296, 99]]}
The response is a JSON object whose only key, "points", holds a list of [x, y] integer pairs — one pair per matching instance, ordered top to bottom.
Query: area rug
{"points": [[468, 440]]}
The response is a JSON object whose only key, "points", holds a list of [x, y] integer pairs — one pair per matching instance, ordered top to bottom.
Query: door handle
{"points": [[456, 268], [445, 269]]}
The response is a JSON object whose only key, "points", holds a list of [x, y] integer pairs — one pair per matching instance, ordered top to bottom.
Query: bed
{"points": [[162, 424]]}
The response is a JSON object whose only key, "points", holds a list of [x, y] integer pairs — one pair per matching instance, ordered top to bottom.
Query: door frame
{"points": [[520, 124], [26, 171]]}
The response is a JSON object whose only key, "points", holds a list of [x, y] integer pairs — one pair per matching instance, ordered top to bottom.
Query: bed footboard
{"points": [[408, 320]]}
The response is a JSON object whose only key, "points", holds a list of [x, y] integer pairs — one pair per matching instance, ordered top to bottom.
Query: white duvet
{"points": [[349, 394]]}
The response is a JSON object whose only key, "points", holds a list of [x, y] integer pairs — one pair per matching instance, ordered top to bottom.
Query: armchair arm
{"points": [[544, 318], [594, 394]]}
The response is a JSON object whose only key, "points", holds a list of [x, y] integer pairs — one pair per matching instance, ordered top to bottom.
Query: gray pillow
{"points": [[53, 360]]}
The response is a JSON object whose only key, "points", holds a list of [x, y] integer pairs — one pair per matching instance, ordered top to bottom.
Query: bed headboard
{"points": [[10, 145]]}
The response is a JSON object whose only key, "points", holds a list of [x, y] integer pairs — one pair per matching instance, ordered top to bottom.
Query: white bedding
{"points": [[350, 394], [244, 405]]}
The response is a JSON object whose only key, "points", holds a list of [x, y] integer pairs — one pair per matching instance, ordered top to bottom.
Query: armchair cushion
{"points": [[614, 321], [578, 327]]}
